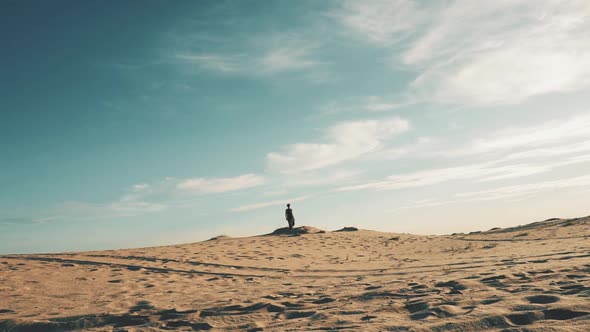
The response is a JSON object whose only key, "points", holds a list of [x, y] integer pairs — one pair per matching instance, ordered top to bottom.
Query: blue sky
{"points": [[129, 124]]}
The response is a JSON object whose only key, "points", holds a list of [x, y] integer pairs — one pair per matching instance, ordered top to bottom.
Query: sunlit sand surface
{"points": [[529, 278]]}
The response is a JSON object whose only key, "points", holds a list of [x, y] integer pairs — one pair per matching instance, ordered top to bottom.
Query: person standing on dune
{"points": [[289, 216]]}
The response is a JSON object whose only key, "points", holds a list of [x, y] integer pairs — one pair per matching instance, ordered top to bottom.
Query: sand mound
{"points": [[551, 222], [347, 229], [297, 231], [219, 237]]}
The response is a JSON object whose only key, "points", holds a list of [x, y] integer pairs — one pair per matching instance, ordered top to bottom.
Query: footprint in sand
{"points": [[373, 287], [542, 299], [324, 300], [141, 305], [416, 306], [299, 314], [563, 314], [526, 318], [194, 326]]}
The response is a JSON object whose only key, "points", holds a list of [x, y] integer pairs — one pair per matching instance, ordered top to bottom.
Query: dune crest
{"points": [[347, 229], [297, 231], [219, 237]]}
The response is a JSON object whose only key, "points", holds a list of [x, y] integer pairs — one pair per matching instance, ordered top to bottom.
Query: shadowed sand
{"points": [[528, 278]]}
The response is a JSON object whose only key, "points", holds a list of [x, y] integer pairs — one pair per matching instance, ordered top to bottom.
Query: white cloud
{"points": [[384, 22], [504, 52], [284, 53], [482, 53], [289, 57], [217, 62], [369, 104], [380, 104], [557, 131], [552, 138], [345, 141], [420, 148], [552, 151], [513, 153], [480, 172], [321, 177], [219, 185], [141, 186], [526, 189], [506, 192], [157, 196], [137, 200], [261, 205], [132, 207], [43, 220], [19, 221]]}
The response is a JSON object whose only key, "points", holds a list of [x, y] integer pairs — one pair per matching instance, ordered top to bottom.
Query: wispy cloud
{"points": [[382, 22], [516, 50], [472, 53], [284, 54], [294, 56], [217, 62], [369, 104], [380, 104], [555, 137], [345, 141], [421, 147], [552, 151], [512, 153], [480, 172], [321, 177], [219, 185], [526, 189], [519, 191], [157, 196], [136, 200], [261, 205], [132, 207], [25, 221]]}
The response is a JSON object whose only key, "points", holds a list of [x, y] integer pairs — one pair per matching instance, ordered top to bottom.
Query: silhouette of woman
{"points": [[289, 216]]}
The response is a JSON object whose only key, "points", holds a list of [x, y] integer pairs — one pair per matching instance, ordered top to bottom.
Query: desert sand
{"points": [[528, 278]]}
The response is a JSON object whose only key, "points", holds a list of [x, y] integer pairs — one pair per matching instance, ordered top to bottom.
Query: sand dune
{"points": [[528, 278]]}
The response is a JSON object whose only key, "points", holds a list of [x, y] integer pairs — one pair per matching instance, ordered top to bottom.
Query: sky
{"points": [[141, 123]]}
